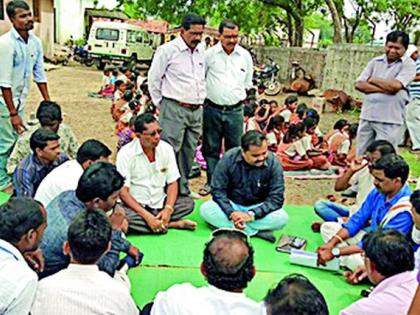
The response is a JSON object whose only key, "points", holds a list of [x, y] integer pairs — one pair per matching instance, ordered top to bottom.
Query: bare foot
{"points": [[8, 189], [183, 225]]}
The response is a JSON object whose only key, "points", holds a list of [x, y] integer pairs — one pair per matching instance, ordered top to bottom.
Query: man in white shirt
{"points": [[229, 71], [177, 85], [149, 168], [66, 176], [22, 222], [228, 266], [81, 288]]}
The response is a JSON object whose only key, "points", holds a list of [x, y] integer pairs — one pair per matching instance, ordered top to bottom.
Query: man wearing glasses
{"points": [[228, 75], [248, 190], [150, 192]]}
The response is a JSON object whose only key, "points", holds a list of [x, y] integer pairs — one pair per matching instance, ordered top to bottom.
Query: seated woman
{"points": [[274, 132]]}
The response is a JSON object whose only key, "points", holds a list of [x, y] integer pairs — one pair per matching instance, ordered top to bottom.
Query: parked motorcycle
{"points": [[81, 55], [267, 75]]}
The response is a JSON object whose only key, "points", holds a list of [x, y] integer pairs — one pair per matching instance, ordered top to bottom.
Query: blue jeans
{"points": [[330, 211], [214, 215]]}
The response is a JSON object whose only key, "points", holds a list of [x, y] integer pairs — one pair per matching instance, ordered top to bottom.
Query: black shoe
{"points": [[349, 193], [266, 235]]}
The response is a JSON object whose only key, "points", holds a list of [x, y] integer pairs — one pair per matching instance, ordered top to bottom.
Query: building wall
{"points": [[70, 17], [44, 29], [336, 67]]}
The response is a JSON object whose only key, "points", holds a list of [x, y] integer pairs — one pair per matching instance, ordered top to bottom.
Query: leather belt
{"points": [[190, 106], [224, 108]]}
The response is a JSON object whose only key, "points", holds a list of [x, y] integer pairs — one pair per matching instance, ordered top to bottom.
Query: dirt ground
{"points": [[90, 118]]}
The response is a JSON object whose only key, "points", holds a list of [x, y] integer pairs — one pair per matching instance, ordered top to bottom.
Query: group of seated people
{"points": [[130, 97], [293, 134], [73, 208]]}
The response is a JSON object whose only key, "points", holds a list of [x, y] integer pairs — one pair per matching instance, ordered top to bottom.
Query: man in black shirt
{"points": [[248, 190]]}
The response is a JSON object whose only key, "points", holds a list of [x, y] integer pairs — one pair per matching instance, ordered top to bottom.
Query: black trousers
{"points": [[220, 122]]}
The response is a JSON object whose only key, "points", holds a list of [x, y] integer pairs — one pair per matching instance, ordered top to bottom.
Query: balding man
{"points": [[228, 266]]}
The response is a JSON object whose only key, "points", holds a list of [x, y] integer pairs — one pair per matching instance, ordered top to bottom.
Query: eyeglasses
{"points": [[154, 133]]}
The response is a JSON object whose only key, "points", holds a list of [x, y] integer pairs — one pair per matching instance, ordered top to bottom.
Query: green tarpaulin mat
{"points": [[176, 257]]}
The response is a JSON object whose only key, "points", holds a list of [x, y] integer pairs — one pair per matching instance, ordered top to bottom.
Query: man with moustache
{"points": [[20, 56], [229, 71], [384, 82], [177, 85], [248, 190], [386, 207]]}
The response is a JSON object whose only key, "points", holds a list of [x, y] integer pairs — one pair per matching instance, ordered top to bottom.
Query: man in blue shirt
{"points": [[20, 56], [46, 156], [99, 188], [387, 206]]}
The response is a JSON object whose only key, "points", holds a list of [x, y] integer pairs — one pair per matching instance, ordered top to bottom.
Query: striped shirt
{"points": [[414, 87], [30, 172]]}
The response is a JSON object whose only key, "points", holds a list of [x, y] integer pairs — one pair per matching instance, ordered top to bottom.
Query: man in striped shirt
{"points": [[413, 109]]}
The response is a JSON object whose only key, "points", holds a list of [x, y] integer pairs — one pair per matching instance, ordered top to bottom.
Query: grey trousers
{"points": [[413, 122], [181, 127], [370, 131], [136, 224]]}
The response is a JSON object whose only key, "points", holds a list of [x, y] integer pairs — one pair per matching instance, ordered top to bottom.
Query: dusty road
{"points": [[90, 118]]}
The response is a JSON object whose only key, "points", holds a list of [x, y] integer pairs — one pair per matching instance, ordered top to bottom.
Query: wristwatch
{"points": [[252, 215], [336, 252]]}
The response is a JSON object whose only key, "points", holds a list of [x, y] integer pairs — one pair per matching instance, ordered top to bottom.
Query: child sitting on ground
{"points": [[107, 88], [119, 88], [119, 107], [133, 110], [289, 112], [248, 114], [258, 122], [340, 126], [274, 132], [127, 134], [339, 144], [312, 145], [293, 154]]}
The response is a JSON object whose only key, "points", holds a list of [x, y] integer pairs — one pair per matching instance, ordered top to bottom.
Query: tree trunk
{"points": [[299, 28], [290, 29], [337, 38]]}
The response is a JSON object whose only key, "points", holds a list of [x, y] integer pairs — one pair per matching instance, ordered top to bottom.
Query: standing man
{"points": [[20, 54], [228, 75], [385, 81], [177, 86], [413, 108]]}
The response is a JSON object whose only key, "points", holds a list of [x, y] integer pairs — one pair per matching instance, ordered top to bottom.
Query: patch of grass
{"points": [[413, 160]]}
